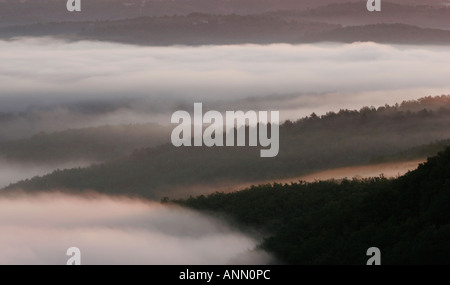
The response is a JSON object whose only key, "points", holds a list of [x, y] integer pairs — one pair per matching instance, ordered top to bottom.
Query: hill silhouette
{"points": [[38, 11], [292, 22], [332, 222]]}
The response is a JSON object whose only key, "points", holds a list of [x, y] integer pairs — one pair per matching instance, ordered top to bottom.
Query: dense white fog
{"points": [[44, 76], [39, 230]]}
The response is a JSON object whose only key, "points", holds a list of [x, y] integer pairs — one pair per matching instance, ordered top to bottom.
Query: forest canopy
{"points": [[331, 222]]}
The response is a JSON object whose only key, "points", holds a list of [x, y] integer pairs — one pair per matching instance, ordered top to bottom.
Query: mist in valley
{"points": [[56, 85], [38, 229]]}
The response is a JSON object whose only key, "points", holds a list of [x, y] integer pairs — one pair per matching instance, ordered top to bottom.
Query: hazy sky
{"points": [[123, 83], [39, 230]]}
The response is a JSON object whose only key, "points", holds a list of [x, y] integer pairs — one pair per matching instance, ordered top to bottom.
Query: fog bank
{"points": [[58, 85], [39, 229]]}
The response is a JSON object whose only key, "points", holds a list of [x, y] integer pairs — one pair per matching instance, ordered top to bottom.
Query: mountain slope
{"points": [[311, 144], [335, 223]]}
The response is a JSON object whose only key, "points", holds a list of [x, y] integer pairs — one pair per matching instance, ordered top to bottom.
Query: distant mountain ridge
{"points": [[38, 11], [352, 13], [340, 21], [203, 29]]}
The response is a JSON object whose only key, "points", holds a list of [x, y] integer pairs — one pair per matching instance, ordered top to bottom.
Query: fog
{"points": [[61, 71], [51, 85], [388, 170], [39, 229]]}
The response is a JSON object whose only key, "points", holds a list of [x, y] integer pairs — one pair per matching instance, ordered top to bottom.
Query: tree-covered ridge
{"points": [[314, 143], [331, 222]]}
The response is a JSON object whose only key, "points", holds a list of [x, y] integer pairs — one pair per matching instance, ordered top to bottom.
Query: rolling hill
{"points": [[38, 11], [352, 13], [339, 22], [313, 143], [333, 222]]}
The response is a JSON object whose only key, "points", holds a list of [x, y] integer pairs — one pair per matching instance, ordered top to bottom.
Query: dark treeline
{"points": [[310, 144], [332, 222]]}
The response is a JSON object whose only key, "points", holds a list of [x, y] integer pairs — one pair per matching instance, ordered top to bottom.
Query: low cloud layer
{"points": [[71, 71], [48, 72], [51, 85], [39, 229]]}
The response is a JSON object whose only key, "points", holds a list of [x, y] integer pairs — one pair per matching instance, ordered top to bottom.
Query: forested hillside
{"points": [[313, 143], [332, 222]]}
